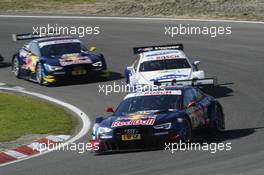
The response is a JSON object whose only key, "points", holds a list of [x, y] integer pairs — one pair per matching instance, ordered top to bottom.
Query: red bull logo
{"points": [[74, 59], [134, 120]]}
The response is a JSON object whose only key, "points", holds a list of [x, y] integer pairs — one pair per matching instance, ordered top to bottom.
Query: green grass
{"points": [[72, 1], [10, 5], [194, 9], [23, 115]]}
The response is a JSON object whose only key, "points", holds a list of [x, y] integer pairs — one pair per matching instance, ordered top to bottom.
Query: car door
{"points": [[22, 55], [31, 57], [133, 76], [203, 101], [194, 107]]}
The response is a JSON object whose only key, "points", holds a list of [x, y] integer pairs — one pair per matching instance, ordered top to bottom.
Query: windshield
{"points": [[60, 49], [179, 63], [152, 103]]}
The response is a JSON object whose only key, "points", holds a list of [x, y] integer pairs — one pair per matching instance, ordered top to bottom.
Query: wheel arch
{"points": [[15, 55], [220, 107], [188, 117]]}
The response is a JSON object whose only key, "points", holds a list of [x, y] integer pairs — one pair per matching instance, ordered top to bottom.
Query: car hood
{"points": [[71, 59], [166, 75], [139, 119]]}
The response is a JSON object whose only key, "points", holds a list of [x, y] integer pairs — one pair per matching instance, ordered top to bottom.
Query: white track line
{"points": [[127, 18], [81, 114], [58, 138], [36, 146], [15, 154]]}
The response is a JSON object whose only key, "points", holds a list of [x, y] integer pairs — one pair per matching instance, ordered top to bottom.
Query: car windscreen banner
{"points": [[138, 50]]}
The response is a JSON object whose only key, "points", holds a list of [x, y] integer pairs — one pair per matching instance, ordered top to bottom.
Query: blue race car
{"points": [[52, 58], [151, 118]]}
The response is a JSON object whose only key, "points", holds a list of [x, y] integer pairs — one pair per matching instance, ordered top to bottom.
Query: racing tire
{"points": [[16, 69], [39, 74], [218, 125], [186, 132]]}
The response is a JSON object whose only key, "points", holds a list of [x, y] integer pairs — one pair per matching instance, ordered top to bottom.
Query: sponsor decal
{"points": [[42, 44], [166, 47], [144, 49], [162, 53], [163, 57], [167, 57], [74, 59], [31, 61], [170, 76], [160, 92], [165, 92], [197, 116], [136, 117], [134, 120]]}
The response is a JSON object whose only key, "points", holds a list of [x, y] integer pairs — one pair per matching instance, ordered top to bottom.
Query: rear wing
{"points": [[31, 36], [138, 50], [194, 82]]}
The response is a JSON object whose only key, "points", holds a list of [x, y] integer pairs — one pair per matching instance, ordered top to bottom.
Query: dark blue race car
{"points": [[50, 59], [153, 117]]}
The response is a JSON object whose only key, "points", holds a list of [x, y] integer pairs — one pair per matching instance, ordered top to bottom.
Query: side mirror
{"points": [[92, 49], [196, 63], [129, 68], [191, 104], [110, 109], [99, 119]]}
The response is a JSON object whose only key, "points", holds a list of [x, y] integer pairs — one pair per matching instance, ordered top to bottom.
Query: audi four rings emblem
{"points": [[131, 131]]}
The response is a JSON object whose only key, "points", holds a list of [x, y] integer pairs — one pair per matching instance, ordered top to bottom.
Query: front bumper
{"points": [[72, 73], [149, 140]]}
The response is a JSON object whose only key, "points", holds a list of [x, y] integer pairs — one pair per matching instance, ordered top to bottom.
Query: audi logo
{"points": [[131, 131]]}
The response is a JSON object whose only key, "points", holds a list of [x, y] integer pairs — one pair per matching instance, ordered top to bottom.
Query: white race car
{"points": [[157, 65]]}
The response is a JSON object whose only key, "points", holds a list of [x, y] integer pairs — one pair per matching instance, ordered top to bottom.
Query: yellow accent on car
{"points": [[92, 49], [32, 65], [49, 78], [136, 117], [131, 137]]}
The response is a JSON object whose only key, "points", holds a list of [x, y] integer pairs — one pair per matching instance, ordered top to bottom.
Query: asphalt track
{"points": [[236, 60]]}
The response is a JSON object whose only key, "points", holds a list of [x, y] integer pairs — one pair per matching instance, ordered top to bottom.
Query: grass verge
{"points": [[41, 6], [210, 9], [23, 115]]}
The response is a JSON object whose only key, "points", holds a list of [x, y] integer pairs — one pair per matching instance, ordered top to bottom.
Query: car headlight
{"points": [[98, 64], [52, 68], [163, 126], [104, 130]]}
